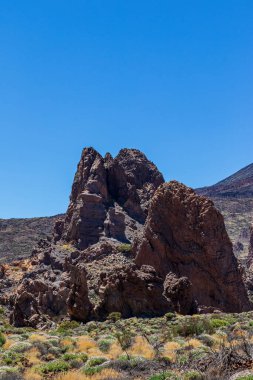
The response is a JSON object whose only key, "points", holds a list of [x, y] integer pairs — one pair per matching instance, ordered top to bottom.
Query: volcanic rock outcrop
{"points": [[109, 197], [185, 234], [250, 255], [181, 257], [55, 288], [133, 292]]}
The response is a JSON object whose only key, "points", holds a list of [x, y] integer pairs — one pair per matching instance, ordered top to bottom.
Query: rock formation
{"points": [[109, 197], [185, 234], [250, 255], [184, 260], [55, 288], [132, 292]]}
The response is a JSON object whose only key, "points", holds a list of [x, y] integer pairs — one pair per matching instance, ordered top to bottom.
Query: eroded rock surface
{"points": [[109, 197], [185, 234], [182, 259], [54, 289], [133, 292]]}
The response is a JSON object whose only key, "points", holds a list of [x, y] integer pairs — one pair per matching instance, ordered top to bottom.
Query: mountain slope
{"points": [[238, 185], [18, 236]]}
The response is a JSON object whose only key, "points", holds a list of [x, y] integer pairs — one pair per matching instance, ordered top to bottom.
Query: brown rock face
{"points": [[109, 197], [185, 234], [250, 255], [55, 288], [133, 292], [179, 292]]}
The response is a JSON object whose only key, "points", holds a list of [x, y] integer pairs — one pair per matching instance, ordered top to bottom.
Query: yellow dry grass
{"points": [[240, 333], [38, 338], [220, 340], [67, 342], [7, 343], [194, 343], [85, 344], [141, 347], [169, 350], [115, 351], [33, 356], [30, 374], [103, 375]]}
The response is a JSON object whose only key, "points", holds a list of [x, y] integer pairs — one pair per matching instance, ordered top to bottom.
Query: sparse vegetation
{"points": [[175, 347]]}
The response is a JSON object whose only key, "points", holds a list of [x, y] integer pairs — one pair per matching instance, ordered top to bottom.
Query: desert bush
{"points": [[125, 248], [114, 316], [170, 316], [218, 323], [66, 326], [193, 326], [2, 339], [105, 344], [21, 347], [70, 356], [12, 358], [95, 361], [54, 366], [166, 375], [193, 375]]}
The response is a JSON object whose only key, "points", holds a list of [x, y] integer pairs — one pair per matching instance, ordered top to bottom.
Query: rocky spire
{"points": [[109, 197]]}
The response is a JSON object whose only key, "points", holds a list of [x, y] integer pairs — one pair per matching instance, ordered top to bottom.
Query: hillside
{"points": [[238, 185], [233, 196], [18, 236]]}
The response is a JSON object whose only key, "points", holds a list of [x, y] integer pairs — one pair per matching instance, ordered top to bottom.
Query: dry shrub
{"points": [[38, 338], [67, 342], [8, 343], [194, 343], [85, 344], [141, 347], [170, 349], [115, 351], [33, 356], [30, 374], [103, 375]]}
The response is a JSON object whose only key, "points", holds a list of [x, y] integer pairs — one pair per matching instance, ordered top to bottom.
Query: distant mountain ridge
{"points": [[238, 185], [19, 236]]}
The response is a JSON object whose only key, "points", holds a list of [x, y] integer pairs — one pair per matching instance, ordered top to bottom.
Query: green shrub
{"points": [[125, 248], [114, 316], [170, 316], [218, 323], [66, 326], [193, 326], [2, 339], [104, 344], [69, 356], [12, 358], [95, 362], [54, 366], [90, 371], [168, 375], [193, 375], [247, 377]]}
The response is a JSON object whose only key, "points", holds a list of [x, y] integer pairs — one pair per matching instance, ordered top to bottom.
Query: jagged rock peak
{"points": [[109, 198], [184, 234]]}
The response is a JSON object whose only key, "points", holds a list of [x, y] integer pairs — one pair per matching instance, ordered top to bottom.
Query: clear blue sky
{"points": [[173, 78]]}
